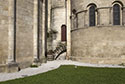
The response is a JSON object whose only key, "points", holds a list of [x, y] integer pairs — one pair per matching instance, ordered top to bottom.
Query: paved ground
{"points": [[47, 67]]}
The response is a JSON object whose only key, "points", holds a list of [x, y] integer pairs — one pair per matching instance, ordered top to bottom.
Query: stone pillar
{"points": [[85, 13], [49, 15], [110, 16], [123, 16], [98, 17], [87, 18], [74, 21], [68, 29], [35, 31], [11, 32], [43, 32], [11, 65]]}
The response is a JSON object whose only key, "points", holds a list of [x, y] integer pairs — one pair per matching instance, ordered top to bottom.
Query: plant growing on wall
{"points": [[52, 34]]}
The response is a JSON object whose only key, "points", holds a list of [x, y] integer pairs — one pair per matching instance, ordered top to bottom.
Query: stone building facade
{"points": [[57, 16], [29, 29], [98, 29], [22, 33]]}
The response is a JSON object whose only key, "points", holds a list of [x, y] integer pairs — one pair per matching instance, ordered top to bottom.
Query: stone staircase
{"points": [[60, 49]]}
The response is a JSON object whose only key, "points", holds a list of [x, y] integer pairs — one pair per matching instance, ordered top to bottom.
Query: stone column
{"points": [[110, 14], [49, 15], [123, 16], [98, 17], [74, 19], [85, 19], [68, 29], [35, 31], [11, 32], [43, 32], [11, 65]]}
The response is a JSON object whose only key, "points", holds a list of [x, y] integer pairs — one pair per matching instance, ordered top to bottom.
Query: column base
{"points": [[43, 60], [38, 62], [12, 67], [9, 68]]}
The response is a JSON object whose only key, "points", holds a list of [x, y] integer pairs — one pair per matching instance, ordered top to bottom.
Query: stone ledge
{"points": [[99, 26]]}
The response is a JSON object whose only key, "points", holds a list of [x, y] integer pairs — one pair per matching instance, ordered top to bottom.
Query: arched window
{"points": [[116, 14], [92, 16]]}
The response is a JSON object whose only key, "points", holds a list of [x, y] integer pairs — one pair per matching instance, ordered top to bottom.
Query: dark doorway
{"points": [[63, 33]]}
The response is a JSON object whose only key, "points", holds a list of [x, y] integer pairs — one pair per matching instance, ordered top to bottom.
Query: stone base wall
{"points": [[101, 45], [9, 68]]}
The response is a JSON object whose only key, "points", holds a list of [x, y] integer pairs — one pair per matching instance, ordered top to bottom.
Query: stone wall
{"points": [[57, 3], [82, 4], [104, 11], [58, 18], [4, 24], [24, 32], [103, 43], [99, 45]]}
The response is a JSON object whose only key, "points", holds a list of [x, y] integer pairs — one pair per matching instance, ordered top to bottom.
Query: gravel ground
{"points": [[50, 65]]}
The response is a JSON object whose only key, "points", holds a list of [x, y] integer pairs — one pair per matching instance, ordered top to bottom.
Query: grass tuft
{"points": [[34, 66]]}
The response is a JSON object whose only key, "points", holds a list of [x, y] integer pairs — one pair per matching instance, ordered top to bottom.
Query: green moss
{"points": [[122, 64], [34, 66]]}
